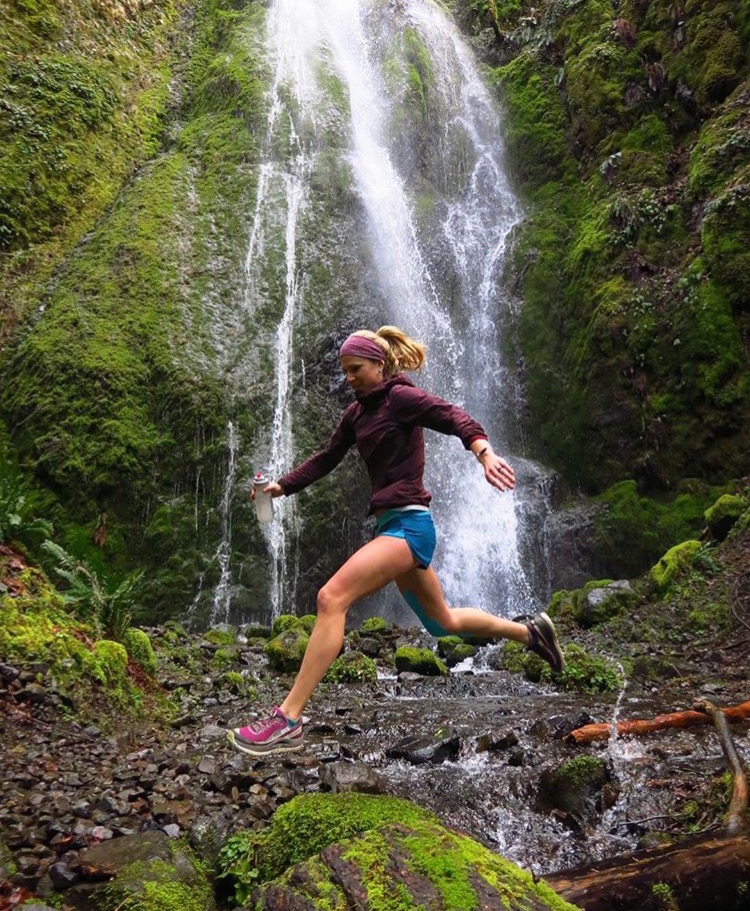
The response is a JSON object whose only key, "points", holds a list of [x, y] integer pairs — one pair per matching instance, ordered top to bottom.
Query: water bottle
{"points": [[263, 502]]}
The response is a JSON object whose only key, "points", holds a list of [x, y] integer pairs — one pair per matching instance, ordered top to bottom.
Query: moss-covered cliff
{"points": [[629, 133], [110, 396]]}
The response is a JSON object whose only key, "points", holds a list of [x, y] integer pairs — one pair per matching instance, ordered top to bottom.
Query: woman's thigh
{"points": [[373, 566], [425, 586]]}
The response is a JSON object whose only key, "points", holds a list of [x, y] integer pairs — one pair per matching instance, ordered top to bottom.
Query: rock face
{"points": [[423, 865]]}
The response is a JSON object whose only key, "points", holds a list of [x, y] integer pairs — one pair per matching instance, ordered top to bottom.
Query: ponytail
{"points": [[400, 351]]}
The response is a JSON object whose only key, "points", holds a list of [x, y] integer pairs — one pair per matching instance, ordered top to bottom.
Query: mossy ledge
{"points": [[627, 130]]}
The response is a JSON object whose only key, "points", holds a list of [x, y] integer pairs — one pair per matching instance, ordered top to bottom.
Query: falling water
{"points": [[432, 229], [222, 594]]}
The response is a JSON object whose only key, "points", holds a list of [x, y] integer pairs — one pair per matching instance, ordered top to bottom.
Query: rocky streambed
{"points": [[481, 747]]}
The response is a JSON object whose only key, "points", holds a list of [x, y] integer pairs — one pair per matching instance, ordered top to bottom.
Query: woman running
{"points": [[386, 424]]}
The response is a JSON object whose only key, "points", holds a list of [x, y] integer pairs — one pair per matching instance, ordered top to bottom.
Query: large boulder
{"points": [[286, 650], [419, 661], [410, 866], [139, 872]]}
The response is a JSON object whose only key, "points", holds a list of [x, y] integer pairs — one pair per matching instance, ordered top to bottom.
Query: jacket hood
{"points": [[377, 392]]}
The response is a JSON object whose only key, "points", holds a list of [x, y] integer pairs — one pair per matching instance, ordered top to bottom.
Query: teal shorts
{"points": [[415, 526]]}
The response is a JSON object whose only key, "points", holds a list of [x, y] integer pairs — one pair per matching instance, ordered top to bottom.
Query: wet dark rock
{"points": [[495, 742], [419, 750], [352, 776], [62, 876]]}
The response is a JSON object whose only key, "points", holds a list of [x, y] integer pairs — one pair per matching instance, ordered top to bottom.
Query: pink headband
{"points": [[360, 346]]}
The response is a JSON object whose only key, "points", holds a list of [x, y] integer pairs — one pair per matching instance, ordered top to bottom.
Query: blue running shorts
{"points": [[416, 527]]}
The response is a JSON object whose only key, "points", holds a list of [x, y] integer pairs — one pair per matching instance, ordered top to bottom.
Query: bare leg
{"points": [[369, 569], [425, 585]]}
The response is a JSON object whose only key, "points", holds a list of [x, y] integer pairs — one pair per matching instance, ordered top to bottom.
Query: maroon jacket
{"points": [[386, 426]]}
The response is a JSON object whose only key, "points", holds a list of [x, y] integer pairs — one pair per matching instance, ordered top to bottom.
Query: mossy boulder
{"points": [[724, 514], [676, 563], [598, 602], [290, 621], [374, 625], [220, 636], [139, 648], [286, 650], [454, 650], [112, 658], [419, 661], [352, 667], [583, 672], [573, 789], [304, 827], [326, 852], [408, 867], [151, 873]]}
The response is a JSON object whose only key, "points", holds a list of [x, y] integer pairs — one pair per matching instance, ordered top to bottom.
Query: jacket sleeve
{"points": [[412, 405], [322, 462]]}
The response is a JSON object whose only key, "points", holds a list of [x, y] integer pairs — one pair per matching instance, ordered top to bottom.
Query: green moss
{"points": [[724, 514], [675, 563], [374, 625], [221, 636], [140, 649], [286, 651], [112, 658], [419, 661], [352, 667], [583, 672], [304, 827], [430, 860], [158, 886]]}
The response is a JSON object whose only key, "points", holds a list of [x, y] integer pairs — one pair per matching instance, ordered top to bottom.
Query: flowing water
{"points": [[390, 93]]}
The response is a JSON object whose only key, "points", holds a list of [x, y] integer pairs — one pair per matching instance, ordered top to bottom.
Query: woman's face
{"points": [[361, 373]]}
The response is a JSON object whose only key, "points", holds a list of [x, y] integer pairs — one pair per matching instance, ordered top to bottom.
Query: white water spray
{"points": [[434, 226]]}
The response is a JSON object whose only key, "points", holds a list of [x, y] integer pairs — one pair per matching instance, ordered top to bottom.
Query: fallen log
{"points": [[591, 732], [736, 818], [700, 873]]}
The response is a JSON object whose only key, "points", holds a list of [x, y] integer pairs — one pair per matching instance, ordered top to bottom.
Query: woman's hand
{"points": [[497, 471], [276, 490]]}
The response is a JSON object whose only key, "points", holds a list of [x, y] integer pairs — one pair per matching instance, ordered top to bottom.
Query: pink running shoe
{"points": [[272, 734]]}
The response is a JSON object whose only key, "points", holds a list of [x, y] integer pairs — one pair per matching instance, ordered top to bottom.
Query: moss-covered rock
{"points": [[724, 514], [676, 562], [598, 602], [374, 625], [138, 646], [454, 649], [286, 651], [419, 661], [352, 667], [583, 672], [573, 788], [304, 827], [361, 836], [409, 867], [151, 873]]}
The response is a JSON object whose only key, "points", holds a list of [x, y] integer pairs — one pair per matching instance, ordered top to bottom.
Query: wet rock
{"points": [[419, 661], [495, 742], [420, 750], [351, 776], [572, 790], [62, 876]]}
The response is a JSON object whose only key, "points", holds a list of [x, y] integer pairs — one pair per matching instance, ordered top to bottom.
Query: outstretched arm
{"points": [[496, 470]]}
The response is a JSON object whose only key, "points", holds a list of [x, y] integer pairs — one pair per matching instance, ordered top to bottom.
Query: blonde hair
{"points": [[400, 351]]}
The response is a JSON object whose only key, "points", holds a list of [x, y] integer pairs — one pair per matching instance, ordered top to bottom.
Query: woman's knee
{"points": [[330, 603], [450, 622]]}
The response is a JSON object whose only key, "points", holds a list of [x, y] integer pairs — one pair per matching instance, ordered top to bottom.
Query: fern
{"points": [[16, 522], [105, 604]]}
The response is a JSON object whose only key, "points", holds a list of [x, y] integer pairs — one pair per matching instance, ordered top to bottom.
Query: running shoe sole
{"points": [[551, 652], [264, 749]]}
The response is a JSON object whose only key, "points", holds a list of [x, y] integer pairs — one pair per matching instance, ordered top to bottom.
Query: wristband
{"points": [[481, 453]]}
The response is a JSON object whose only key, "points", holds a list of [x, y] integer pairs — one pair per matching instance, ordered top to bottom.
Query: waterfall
{"points": [[388, 92]]}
